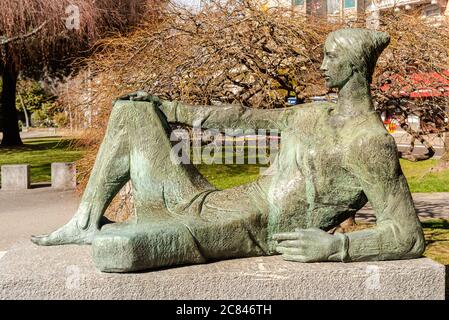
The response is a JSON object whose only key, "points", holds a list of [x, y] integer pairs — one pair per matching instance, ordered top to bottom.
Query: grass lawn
{"points": [[40, 153], [417, 173], [225, 176], [421, 180], [437, 238]]}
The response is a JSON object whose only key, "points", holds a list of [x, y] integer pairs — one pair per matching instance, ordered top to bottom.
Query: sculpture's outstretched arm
{"points": [[226, 116], [221, 117], [398, 233]]}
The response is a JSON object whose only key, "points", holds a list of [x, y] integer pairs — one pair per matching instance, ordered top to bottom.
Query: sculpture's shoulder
{"points": [[314, 107], [311, 114], [310, 119], [372, 139], [375, 150]]}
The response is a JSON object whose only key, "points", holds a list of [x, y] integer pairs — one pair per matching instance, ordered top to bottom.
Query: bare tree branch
{"points": [[5, 41]]}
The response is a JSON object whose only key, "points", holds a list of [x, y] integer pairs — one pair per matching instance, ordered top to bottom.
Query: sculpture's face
{"points": [[336, 66]]}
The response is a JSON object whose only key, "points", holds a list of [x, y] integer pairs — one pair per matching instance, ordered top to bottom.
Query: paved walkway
{"points": [[39, 133], [403, 142], [428, 206], [41, 210], [34, 211]]}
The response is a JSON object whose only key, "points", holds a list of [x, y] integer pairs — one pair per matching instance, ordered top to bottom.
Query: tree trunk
{"points": [[10, 125]]}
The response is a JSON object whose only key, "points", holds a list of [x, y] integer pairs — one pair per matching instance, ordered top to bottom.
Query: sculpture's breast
{"points": [[327, 180], [309, 185], [331, 191]]}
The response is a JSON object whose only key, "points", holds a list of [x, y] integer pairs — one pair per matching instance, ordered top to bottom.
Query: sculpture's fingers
{"points": [[128, 96], [135, 96], [140, 96], [285, 236], [34, 237], [290, 243], [289, 251]]}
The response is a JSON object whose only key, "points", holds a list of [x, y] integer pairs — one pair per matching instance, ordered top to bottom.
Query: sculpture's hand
{"points": [[140, 96], [310, 245]]}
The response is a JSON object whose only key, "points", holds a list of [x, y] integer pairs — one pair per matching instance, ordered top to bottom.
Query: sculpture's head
{"points": [[350, 51]]}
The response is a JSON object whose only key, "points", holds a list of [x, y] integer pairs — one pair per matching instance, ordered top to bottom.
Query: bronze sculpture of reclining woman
{"points": [[333, 159]]}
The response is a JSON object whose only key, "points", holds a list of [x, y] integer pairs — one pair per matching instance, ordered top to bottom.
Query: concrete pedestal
{"points": [[63, 175], [15, 177], [67, 272]]}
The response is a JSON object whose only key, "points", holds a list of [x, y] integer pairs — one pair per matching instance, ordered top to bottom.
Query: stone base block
{"points": [[63, 175], [15, 177], [67, 272]]}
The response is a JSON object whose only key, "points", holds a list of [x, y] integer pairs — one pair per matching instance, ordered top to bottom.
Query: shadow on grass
{"points": [[39, 145], [229, 169], [38, 185], [436, 224], [437, 230]]}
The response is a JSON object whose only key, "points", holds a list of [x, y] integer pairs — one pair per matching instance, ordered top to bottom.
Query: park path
{"points": [[40, 133], [428, 206], [43, 209], [32, 212]]}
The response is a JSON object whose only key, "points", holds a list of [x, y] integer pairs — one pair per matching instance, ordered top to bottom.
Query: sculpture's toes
{"points": [[68, 234], [51, 239], [40, 240]]}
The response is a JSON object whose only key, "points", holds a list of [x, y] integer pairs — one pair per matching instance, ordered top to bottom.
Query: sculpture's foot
{"points": [[70, 233]]}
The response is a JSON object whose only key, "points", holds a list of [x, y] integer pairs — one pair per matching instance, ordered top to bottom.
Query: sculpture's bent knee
{"points": [[119, 109], [124, 111]]}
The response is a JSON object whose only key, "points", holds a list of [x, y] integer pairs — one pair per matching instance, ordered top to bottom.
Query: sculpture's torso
{"points": [[308, 184], [312, 185]]}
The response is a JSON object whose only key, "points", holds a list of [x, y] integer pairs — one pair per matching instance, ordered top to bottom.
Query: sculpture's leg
{"points": [[136, 146], [109, 174], [158, 180], [226, 225], [128, 247]]}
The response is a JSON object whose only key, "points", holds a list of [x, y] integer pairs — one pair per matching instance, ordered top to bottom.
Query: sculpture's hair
{"points": [[362, 47]]}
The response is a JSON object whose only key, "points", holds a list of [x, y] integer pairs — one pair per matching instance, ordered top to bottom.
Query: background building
{"points": [[349, 9]]}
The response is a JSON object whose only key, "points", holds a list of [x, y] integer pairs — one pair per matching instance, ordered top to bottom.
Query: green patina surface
{"points": [[333, 159], [436, 232]]}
